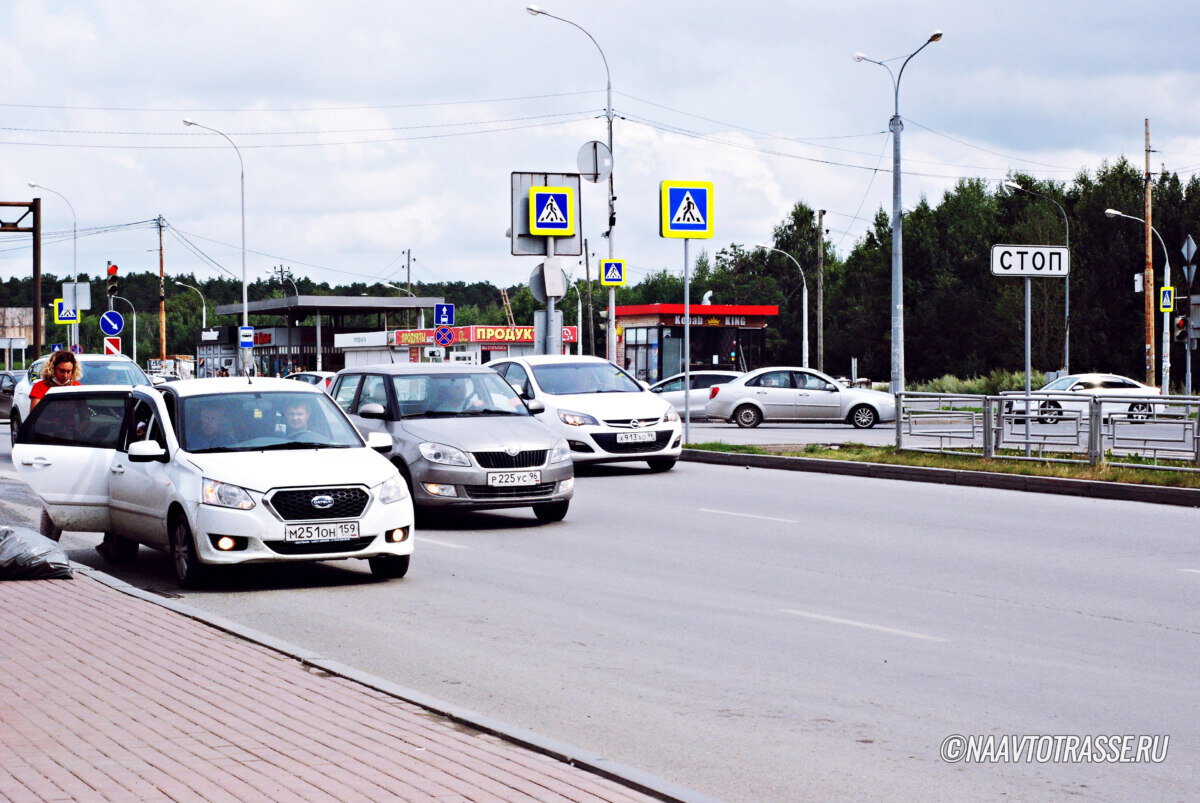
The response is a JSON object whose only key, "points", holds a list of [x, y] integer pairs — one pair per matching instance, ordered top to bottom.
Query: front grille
{"points": [[623, 423], [608, 442], [530, 459], [519, 492], [296, 504], [318, 547]]}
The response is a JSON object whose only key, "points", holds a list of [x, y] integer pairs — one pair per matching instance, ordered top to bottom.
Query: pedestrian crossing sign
{"points": [[687, 208], [552, 211], [612, 272], [1166, 299], [63, 314]]}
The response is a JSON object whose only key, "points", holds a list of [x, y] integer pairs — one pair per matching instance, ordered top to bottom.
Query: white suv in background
{"points": [[98, 369], [605, 414]]}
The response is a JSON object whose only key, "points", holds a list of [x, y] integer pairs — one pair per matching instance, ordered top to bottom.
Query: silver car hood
{"points": [[485, 433]]}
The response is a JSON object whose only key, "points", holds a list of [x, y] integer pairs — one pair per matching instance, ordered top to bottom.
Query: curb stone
{"points": [[1095, 489]]}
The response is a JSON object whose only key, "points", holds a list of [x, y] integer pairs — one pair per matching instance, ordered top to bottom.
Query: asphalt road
{"points": [[767, 635]]}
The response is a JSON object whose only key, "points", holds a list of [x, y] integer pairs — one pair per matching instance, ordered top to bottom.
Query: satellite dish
{"points": [[595, 161]]}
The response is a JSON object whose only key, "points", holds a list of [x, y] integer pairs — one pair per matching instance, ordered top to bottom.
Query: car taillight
{"points": [[328, 379], [712, 394]]}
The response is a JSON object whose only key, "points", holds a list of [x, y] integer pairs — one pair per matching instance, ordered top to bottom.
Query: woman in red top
{"points": [[61, 369]]}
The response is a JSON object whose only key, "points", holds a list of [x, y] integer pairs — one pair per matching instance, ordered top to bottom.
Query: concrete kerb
{"points": [[1155, 494], [632, 778]]}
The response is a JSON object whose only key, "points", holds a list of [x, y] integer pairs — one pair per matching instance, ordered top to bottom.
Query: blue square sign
{"points": [[443, 315], [246, 337]]}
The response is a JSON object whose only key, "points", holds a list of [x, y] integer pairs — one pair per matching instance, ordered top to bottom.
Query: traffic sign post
{"points": [[552, 211], [686, 213], [1028, 261], [1189, 273], [1166, 299], [63, 313], [443, 314], [111, 322], [443, 336], [112, 345], [55, 347]]}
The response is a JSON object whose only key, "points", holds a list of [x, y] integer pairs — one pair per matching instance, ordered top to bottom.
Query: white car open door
{"points": [[65, 452]]}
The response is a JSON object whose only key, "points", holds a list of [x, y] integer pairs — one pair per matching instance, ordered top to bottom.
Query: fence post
{"points": [[899, 419], [1095, 431], [989, 450]]}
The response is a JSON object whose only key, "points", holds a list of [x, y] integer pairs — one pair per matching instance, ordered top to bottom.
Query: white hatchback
{"points": [[96, 369], [604, 413], [217, 472]]}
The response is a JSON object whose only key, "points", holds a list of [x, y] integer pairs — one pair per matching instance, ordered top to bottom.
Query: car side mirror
{"points": [[158, 380], [645, 385], [831, 386], [655, 390], [7, 391], [535, 406], [373, 410], [379, 441], [146, 452]]}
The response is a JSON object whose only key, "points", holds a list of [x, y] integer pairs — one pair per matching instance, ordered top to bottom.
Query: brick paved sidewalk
{"points": [[104, 696]]}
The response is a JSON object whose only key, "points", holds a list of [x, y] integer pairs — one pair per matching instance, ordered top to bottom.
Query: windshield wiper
{"points": [[304, 445], [218, 449]]}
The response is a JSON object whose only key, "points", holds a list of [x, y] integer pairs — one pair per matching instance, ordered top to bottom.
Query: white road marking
{"points": [[747, 515], [436, 542], [1192, 571], [864, 625]]}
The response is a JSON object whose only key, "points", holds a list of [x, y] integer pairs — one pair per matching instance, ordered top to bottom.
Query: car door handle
{"points": [[37, 461], [117, 469]]}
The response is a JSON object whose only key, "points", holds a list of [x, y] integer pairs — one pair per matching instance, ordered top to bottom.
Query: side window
{"points": [[501, 368], [517, 377], [772, 379], [706, 381], [808, 381], [6, 384], [674, 384], [346, 390], [374, 391], [77, 420], [144, 425]]}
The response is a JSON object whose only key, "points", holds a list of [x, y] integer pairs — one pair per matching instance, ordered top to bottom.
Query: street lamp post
{"points": [[896, 126], [1012, 185], [74, 258], [245, 282], [804, 295], [203, 304], [420, 311], [133, 313], [610, 326], [1166, 335]]}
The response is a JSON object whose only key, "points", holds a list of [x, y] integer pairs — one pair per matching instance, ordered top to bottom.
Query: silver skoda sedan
{"points": [[797, 394], [461, 436]]}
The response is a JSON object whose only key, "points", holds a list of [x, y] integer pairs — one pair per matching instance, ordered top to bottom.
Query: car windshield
{"points": [[584, 377], [1062, 383], [444, 395], [260, 421]]}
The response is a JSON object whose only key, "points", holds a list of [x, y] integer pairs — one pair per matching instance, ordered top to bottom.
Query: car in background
{"points": [[98, 369], [322, 379], [8, 386], [1082, 387], [672, 389], [797, 394], [605, 414], [461, 436], [217, 472]]}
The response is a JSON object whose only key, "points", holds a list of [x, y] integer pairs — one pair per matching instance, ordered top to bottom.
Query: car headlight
{"points": [[672, 415], [577, 419], [561, 452], [447, 455], [393, 489], [222, 494]]}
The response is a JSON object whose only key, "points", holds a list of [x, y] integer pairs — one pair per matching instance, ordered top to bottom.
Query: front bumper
{"points": [[598, 444], [471, 490], [259, 534]]}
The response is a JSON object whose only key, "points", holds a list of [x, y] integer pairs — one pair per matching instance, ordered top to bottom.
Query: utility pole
{"points": [[1149, 274], [408, 284], [821, 290], [162, 302]]}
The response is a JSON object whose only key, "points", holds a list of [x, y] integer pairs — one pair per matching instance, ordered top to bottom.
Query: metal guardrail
{"points": [[1141, 431]]}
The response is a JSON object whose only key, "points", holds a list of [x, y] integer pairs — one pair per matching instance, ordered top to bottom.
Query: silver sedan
{"points": [[797, 394]]}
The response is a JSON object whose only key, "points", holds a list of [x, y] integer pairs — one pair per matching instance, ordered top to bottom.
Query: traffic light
{"points": [[112, 279], [1181, 327]]}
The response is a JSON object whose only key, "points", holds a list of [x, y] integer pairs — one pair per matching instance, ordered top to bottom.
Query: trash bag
{"points": [[26, 555]]}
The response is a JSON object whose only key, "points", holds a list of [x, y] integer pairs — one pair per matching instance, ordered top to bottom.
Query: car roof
{"points": [[86, 357], [547, 359], [402, 368], [239, 384]]}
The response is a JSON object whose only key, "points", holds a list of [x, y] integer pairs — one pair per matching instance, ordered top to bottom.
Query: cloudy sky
{"points": [[371, 128]]}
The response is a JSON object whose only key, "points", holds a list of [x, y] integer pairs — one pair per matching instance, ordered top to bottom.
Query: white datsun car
{"points": [[218, 472]]}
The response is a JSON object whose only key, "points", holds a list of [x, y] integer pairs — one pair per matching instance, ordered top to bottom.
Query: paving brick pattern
{"points": [[107, 697]]}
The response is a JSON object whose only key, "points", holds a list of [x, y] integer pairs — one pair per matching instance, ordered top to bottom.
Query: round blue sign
{"points": [[111, 323], [443, 336]]}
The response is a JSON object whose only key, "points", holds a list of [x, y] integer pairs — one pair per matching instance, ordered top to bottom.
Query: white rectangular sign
{"points": [[1030, 260]]}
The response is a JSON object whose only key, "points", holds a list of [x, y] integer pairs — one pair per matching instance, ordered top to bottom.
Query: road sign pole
{"points": [[547, 337], [687, 347], [1028, 366]]}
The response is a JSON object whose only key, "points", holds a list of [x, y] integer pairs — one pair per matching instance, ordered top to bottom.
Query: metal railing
{"points": [[1142, 431]]}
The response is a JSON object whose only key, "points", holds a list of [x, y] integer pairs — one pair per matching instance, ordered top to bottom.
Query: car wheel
{"points": [[1139, 411], [1049, 412], [747, 416], [863, 417], [14, 426], [661, 463], [402, 467], [552, 511], [49, 528], [389, 567], [189, 571]]}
